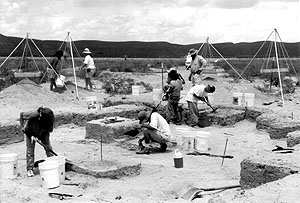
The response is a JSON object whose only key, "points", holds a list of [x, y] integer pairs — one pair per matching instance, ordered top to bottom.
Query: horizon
{"points": [[176, 22]]}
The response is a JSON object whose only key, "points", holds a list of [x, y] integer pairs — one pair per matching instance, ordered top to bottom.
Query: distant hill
{"points": [[137, 49]]}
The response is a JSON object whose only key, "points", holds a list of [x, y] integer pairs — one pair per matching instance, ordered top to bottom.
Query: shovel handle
{"points": [[220, 188]]}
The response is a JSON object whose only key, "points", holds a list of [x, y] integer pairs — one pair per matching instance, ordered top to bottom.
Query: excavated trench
{"points": [[255, 171]]}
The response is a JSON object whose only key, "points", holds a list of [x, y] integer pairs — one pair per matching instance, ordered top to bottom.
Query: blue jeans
{"points": [[30, 146]]}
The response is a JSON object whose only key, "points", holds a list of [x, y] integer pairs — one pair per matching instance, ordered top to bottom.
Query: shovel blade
{"points": [[191, 193]]}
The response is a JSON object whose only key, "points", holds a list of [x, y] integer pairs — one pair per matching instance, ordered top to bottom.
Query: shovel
{"points": [[208, 104], [68, 163], [194, 192]]}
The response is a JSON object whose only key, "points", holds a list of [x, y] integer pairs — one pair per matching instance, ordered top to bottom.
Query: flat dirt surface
{"points": [[159, 180]]}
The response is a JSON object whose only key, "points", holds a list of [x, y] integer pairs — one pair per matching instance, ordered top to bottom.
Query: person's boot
{"points": [[141, 146], [163, 147]]}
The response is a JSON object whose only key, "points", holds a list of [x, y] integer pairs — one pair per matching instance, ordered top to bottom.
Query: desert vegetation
{"points": [[142, 65]]}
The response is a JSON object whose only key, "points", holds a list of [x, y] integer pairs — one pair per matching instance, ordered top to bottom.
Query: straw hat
{"points": [[86, 51]]}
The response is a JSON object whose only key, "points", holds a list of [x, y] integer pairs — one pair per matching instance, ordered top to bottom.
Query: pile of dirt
{"points": [[27, 93]]}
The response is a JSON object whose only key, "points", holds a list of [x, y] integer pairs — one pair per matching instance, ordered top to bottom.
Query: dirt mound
{"points": [[28, 93]]}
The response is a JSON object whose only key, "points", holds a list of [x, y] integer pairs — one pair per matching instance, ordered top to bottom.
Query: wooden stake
{"points": [[101, 147], [224, 151]]}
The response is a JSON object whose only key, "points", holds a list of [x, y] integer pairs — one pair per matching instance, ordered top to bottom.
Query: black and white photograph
{"points": [[146, 101]]}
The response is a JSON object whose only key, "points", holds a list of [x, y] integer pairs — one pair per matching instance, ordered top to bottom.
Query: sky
{"points": [[175, 21]]}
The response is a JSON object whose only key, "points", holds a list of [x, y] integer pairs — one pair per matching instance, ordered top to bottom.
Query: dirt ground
{"points": [[159, 180]]}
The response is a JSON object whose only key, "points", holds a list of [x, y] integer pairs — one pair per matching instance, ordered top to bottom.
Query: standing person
{"points": [[89, 66], [196, 67], [52, 70], [173, 90], [196, 93], [36, 125], [156, 130]]}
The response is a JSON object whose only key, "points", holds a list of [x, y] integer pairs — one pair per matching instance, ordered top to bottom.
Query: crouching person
{"points": [[36, 125], [156, 129]]}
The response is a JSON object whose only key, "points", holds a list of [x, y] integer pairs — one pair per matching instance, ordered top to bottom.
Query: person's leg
{"points": [[52, 82], [86, 83], [90, 83], [174, 102], [193, 109], [169, 111], [176, 112], [154, 136], [46, 142], [30, 145]]}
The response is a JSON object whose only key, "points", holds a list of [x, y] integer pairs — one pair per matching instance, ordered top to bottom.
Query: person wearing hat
{"points": [[89, 66], [196, 67], [196, 93], [156, 130]]}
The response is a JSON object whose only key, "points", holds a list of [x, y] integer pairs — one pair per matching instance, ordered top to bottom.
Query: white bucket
{"points": [[60, 81], [135, 90], [157, 94], [238, 98], [249, 99], [92, 102], [201, 141], [187, 143], [8, 165], [62, 168], [49, 172]]}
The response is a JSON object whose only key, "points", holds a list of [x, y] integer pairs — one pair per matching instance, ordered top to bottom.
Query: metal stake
{"points": [[224, 151]]}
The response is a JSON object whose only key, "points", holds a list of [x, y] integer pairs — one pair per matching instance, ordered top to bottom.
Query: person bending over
{"points": [[196, 93], [36, 125], [156, 129]]}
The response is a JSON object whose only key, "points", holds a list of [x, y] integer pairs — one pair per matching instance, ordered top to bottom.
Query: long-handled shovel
{"points": [[208, 104], [68, 163], [194, 192]]}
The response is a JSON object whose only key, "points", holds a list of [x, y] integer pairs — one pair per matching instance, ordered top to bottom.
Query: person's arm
{"points": [[198, 97], [148, 126]]}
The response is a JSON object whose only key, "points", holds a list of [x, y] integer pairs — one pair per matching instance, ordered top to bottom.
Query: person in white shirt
{"points": [[89, 66], [196, 66], [196, 93], [157, 130]]}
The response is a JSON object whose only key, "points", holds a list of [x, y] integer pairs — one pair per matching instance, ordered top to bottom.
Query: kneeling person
{"points": [[156, 130]]}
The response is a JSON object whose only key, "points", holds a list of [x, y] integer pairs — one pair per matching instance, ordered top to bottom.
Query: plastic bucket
{"points": [[60, 81], [135, 90], [157, 94], [237, 98], [249, 99], [92, 102], [181, 131], [201, 141], [187, 143], [8, 165], [62, 168], [49, 172]]}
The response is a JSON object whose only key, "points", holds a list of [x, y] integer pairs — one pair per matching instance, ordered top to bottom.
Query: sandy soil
{"points": [[158, 180]]}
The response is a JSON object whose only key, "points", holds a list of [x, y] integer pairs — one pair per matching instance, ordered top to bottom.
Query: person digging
{"points": [[196, 93], [36, 126], [155, 129]]}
